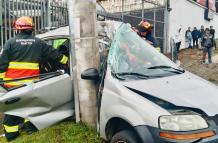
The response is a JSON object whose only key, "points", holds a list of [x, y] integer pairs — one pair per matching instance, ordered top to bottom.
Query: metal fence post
{"points": [[122, 10], [143, 10], [48, 13], [13, 15], [41, 15], [9, 18], [5, 20], [154, 21], [1, 24], [166, 29]]}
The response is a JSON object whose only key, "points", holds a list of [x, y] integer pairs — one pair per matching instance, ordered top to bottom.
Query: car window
{"points": [[56, 43], [62, 45], [131, 54]]}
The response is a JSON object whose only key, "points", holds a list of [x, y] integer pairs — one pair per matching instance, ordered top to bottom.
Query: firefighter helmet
{"points": [[24, 23], [146, 25]]}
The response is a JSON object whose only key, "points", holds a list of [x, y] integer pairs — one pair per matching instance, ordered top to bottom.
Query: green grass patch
{"points": [[67, 132]]}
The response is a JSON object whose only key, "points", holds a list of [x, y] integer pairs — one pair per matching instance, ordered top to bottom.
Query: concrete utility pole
{"points": [[85, 54]]}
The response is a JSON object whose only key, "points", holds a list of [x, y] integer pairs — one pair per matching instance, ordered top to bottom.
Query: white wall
{"points": [[186, 13]]}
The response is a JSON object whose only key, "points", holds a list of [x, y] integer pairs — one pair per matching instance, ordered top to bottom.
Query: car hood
{"points": [[187, 90]]}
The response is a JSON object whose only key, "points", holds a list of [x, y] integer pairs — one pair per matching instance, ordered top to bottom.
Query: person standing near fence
{"points": [[212, 32], [201, 34], [188, 36], [195, 36], [178, 38], [208, 44]]}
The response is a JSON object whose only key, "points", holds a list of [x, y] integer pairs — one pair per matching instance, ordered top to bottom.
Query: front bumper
{"points": [[149, 134]]}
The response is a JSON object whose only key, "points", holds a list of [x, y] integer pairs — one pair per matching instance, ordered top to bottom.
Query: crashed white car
{"points": [[143, 98], [146, 98]]}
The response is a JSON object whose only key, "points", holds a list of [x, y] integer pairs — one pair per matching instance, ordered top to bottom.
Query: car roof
{"points": [[59, 32]]}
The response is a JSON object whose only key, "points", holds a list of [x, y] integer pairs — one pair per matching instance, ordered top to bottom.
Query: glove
{"points": [[63, 59]]}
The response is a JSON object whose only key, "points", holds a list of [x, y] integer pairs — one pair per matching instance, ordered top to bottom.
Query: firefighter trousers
{"points": [[12, 126]]}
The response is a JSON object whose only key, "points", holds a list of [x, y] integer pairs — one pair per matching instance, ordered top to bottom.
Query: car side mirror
{"points": [[90, 74]]}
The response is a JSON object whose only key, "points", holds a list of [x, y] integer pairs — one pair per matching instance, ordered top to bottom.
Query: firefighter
{"points": [[146, 33], [20, 58]]}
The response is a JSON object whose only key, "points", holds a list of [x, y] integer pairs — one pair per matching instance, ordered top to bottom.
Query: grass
{"points": [[67, 132]]}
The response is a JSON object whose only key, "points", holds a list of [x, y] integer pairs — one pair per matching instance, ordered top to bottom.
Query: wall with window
{"points": [[187, 13]]}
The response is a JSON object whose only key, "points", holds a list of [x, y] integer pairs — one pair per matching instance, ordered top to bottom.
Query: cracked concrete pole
{"points": [[85, 54]]}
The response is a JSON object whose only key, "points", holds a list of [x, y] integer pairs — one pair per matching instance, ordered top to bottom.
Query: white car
{"points": [[146, 98]]}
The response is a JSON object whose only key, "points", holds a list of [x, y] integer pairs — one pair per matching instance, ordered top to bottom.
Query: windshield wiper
{"points": [[167, 67], [142, 76]]}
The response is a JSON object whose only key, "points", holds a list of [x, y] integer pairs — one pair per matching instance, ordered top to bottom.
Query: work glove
{"points": [[63, 59]]}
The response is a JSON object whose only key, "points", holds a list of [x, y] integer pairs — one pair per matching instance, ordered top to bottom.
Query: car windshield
{"points": [[130, 56]]}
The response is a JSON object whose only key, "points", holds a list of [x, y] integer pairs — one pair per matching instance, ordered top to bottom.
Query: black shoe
{"points": [[29, 128], [11, 136]]}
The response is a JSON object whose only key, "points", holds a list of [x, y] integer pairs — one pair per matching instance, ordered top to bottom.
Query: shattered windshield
{"points": [[130, 56]]}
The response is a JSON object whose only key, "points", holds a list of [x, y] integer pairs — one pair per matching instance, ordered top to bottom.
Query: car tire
{"points": [[125, 136]]}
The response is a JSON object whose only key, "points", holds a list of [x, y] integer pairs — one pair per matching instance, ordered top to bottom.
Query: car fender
{"points": [[120, 111]]}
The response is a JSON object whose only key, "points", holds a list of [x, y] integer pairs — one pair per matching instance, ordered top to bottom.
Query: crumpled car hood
{"points": [[187, 90]]}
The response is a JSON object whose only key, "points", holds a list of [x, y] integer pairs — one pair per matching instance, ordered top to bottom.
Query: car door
{"points": [[45, 101]]}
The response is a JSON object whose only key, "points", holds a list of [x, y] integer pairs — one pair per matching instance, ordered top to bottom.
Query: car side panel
{"points": [[44, 103]]}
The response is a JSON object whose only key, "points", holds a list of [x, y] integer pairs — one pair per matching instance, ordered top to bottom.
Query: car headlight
{"points": [[182, 122]]}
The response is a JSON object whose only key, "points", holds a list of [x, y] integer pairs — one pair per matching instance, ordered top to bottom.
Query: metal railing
{"points": [[154, 11], [45, 14]]}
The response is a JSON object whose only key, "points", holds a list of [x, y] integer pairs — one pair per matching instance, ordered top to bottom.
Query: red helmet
{"points": [[24, 23], [146, 25]]}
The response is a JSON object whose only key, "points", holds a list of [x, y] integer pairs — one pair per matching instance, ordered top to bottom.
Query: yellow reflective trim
{"points": [[58, 42], [158, 49], [64, 59], [23, 65], [2, 75], [17, 83], [26, 120], [11, 129]]}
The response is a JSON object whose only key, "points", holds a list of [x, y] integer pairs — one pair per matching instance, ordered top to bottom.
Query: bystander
{"points": [[212, 32], [201, 34], [188, 36], [195, 36], [207, 43]]}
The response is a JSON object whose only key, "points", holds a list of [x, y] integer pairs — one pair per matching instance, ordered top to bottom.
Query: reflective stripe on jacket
{"points": [[21, 57], [18, 70]]}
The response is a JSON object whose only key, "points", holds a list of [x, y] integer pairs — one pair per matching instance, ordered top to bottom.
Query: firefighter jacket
{"points": [[21, 57]]}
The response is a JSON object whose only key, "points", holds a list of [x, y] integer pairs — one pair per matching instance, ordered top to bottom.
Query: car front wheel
{"points": [[125, 136]]}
